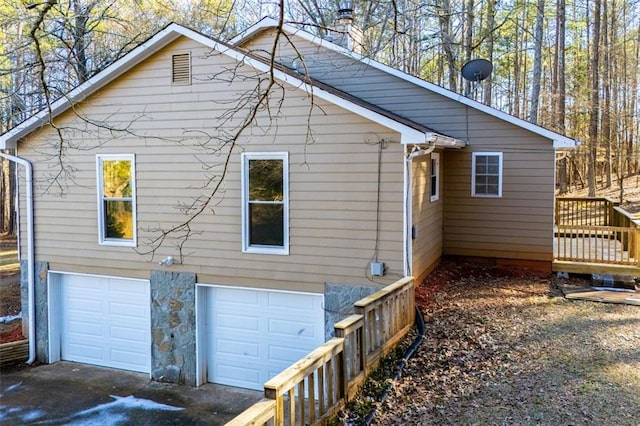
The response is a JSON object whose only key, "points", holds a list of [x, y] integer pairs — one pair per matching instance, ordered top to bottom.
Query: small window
{"points": [[181, 68], [486, 174], [435, 176], [116, 200], [265, 203]]}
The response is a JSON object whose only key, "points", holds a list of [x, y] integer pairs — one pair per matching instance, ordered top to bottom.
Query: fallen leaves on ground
{"points": [[503, 347]]}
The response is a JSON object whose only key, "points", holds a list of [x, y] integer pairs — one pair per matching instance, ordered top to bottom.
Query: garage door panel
{"points": [[237, 297], [289, 301], [84, 305], [124, 311], [105, 321], [232, 323], [291, 329], [128, 335], [248, 345], [239, 348], [86, 353], [285, 354], [125, 357], [242, 375]]}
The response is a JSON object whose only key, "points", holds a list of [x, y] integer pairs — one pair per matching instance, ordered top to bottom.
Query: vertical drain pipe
{"points": [[30, 252]]}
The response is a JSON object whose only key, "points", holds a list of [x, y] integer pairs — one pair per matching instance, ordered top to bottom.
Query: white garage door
{"points": [[105, 321], [252, 335]]}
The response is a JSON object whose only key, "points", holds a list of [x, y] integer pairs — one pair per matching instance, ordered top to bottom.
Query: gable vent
{"points": [[181, 68]]}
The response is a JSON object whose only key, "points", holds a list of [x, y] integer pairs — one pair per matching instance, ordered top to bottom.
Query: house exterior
{"points": [[188, 226]]}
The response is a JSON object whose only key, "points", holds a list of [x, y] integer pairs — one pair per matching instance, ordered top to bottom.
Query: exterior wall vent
{"points": [[181, 68]]}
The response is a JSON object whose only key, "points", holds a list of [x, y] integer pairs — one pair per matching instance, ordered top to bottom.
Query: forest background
{"points": [[572, 66]]}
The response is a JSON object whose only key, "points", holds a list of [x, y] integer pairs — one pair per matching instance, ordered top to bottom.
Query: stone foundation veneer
{"points": [[339, 300], [41, 307], [173, 327]]}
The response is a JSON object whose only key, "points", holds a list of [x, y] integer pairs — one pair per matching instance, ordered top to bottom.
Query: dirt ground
{"points": [[631, 196], [9, 293], [504, 347]]}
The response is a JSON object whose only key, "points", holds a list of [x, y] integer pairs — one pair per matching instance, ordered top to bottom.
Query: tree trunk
{"points": [[489, 30], [446, 35], [468, 42], [537, 62], [606, 87], [561, 89], [594, 115]]}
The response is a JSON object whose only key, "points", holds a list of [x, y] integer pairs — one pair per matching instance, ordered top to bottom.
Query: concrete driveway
{"points": [[68, 393]]}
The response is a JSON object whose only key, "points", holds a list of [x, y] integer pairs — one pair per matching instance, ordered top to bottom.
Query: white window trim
{"points": [[245, 157], [435, 161], [473, 174], [101, 219]]}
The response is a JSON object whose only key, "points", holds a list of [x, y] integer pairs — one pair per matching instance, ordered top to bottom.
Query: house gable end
{"points": [[409, 133]]}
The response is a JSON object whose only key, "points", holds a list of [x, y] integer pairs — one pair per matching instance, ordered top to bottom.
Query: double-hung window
{"points": [[486, 174], [435, 176], [116, 199], [265, 202]]}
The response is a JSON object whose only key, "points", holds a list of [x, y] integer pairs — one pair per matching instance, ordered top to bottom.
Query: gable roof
{"points": [[410, 132], [559, 141]]}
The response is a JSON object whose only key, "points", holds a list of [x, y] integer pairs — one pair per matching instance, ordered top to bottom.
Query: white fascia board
{"points": [[264, 23], [137, 55], [442, 141], [559, 141]]}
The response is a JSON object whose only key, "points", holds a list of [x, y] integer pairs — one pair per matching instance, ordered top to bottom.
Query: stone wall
{"points": [[339, 300], [41, 307], [173, 327]]}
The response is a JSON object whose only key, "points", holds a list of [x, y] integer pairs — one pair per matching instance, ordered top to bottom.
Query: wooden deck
{"points": [[595, 236]]}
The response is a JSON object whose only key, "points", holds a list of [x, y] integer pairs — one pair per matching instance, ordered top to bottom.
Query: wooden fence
{"points": [[14, 352], [317, 386]]}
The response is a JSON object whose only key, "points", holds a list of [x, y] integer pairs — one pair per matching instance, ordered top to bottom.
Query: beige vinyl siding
{"points": [[333, 181], [427, 219], [520, 224], [517, 226]]}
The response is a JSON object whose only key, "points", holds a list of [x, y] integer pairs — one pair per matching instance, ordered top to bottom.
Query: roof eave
{"points": [[437, 140], [559, 141], [565, 144]]}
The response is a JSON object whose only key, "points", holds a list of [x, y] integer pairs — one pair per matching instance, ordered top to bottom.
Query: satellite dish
{"points": [[477, 70]]}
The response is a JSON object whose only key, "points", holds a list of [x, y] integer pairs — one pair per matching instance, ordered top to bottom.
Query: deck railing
{"points": [[584, 211], [596, 230], [614, 245], [316, 387]]}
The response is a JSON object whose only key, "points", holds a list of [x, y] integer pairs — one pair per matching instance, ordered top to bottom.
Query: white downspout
{"points": [[408, 208], [30, 252]]}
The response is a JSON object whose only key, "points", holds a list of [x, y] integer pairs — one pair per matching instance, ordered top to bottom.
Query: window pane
{"points": [[492, 160], [116, 178], [265, 180], [492, 180], [118, 219], [266, 224]]}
